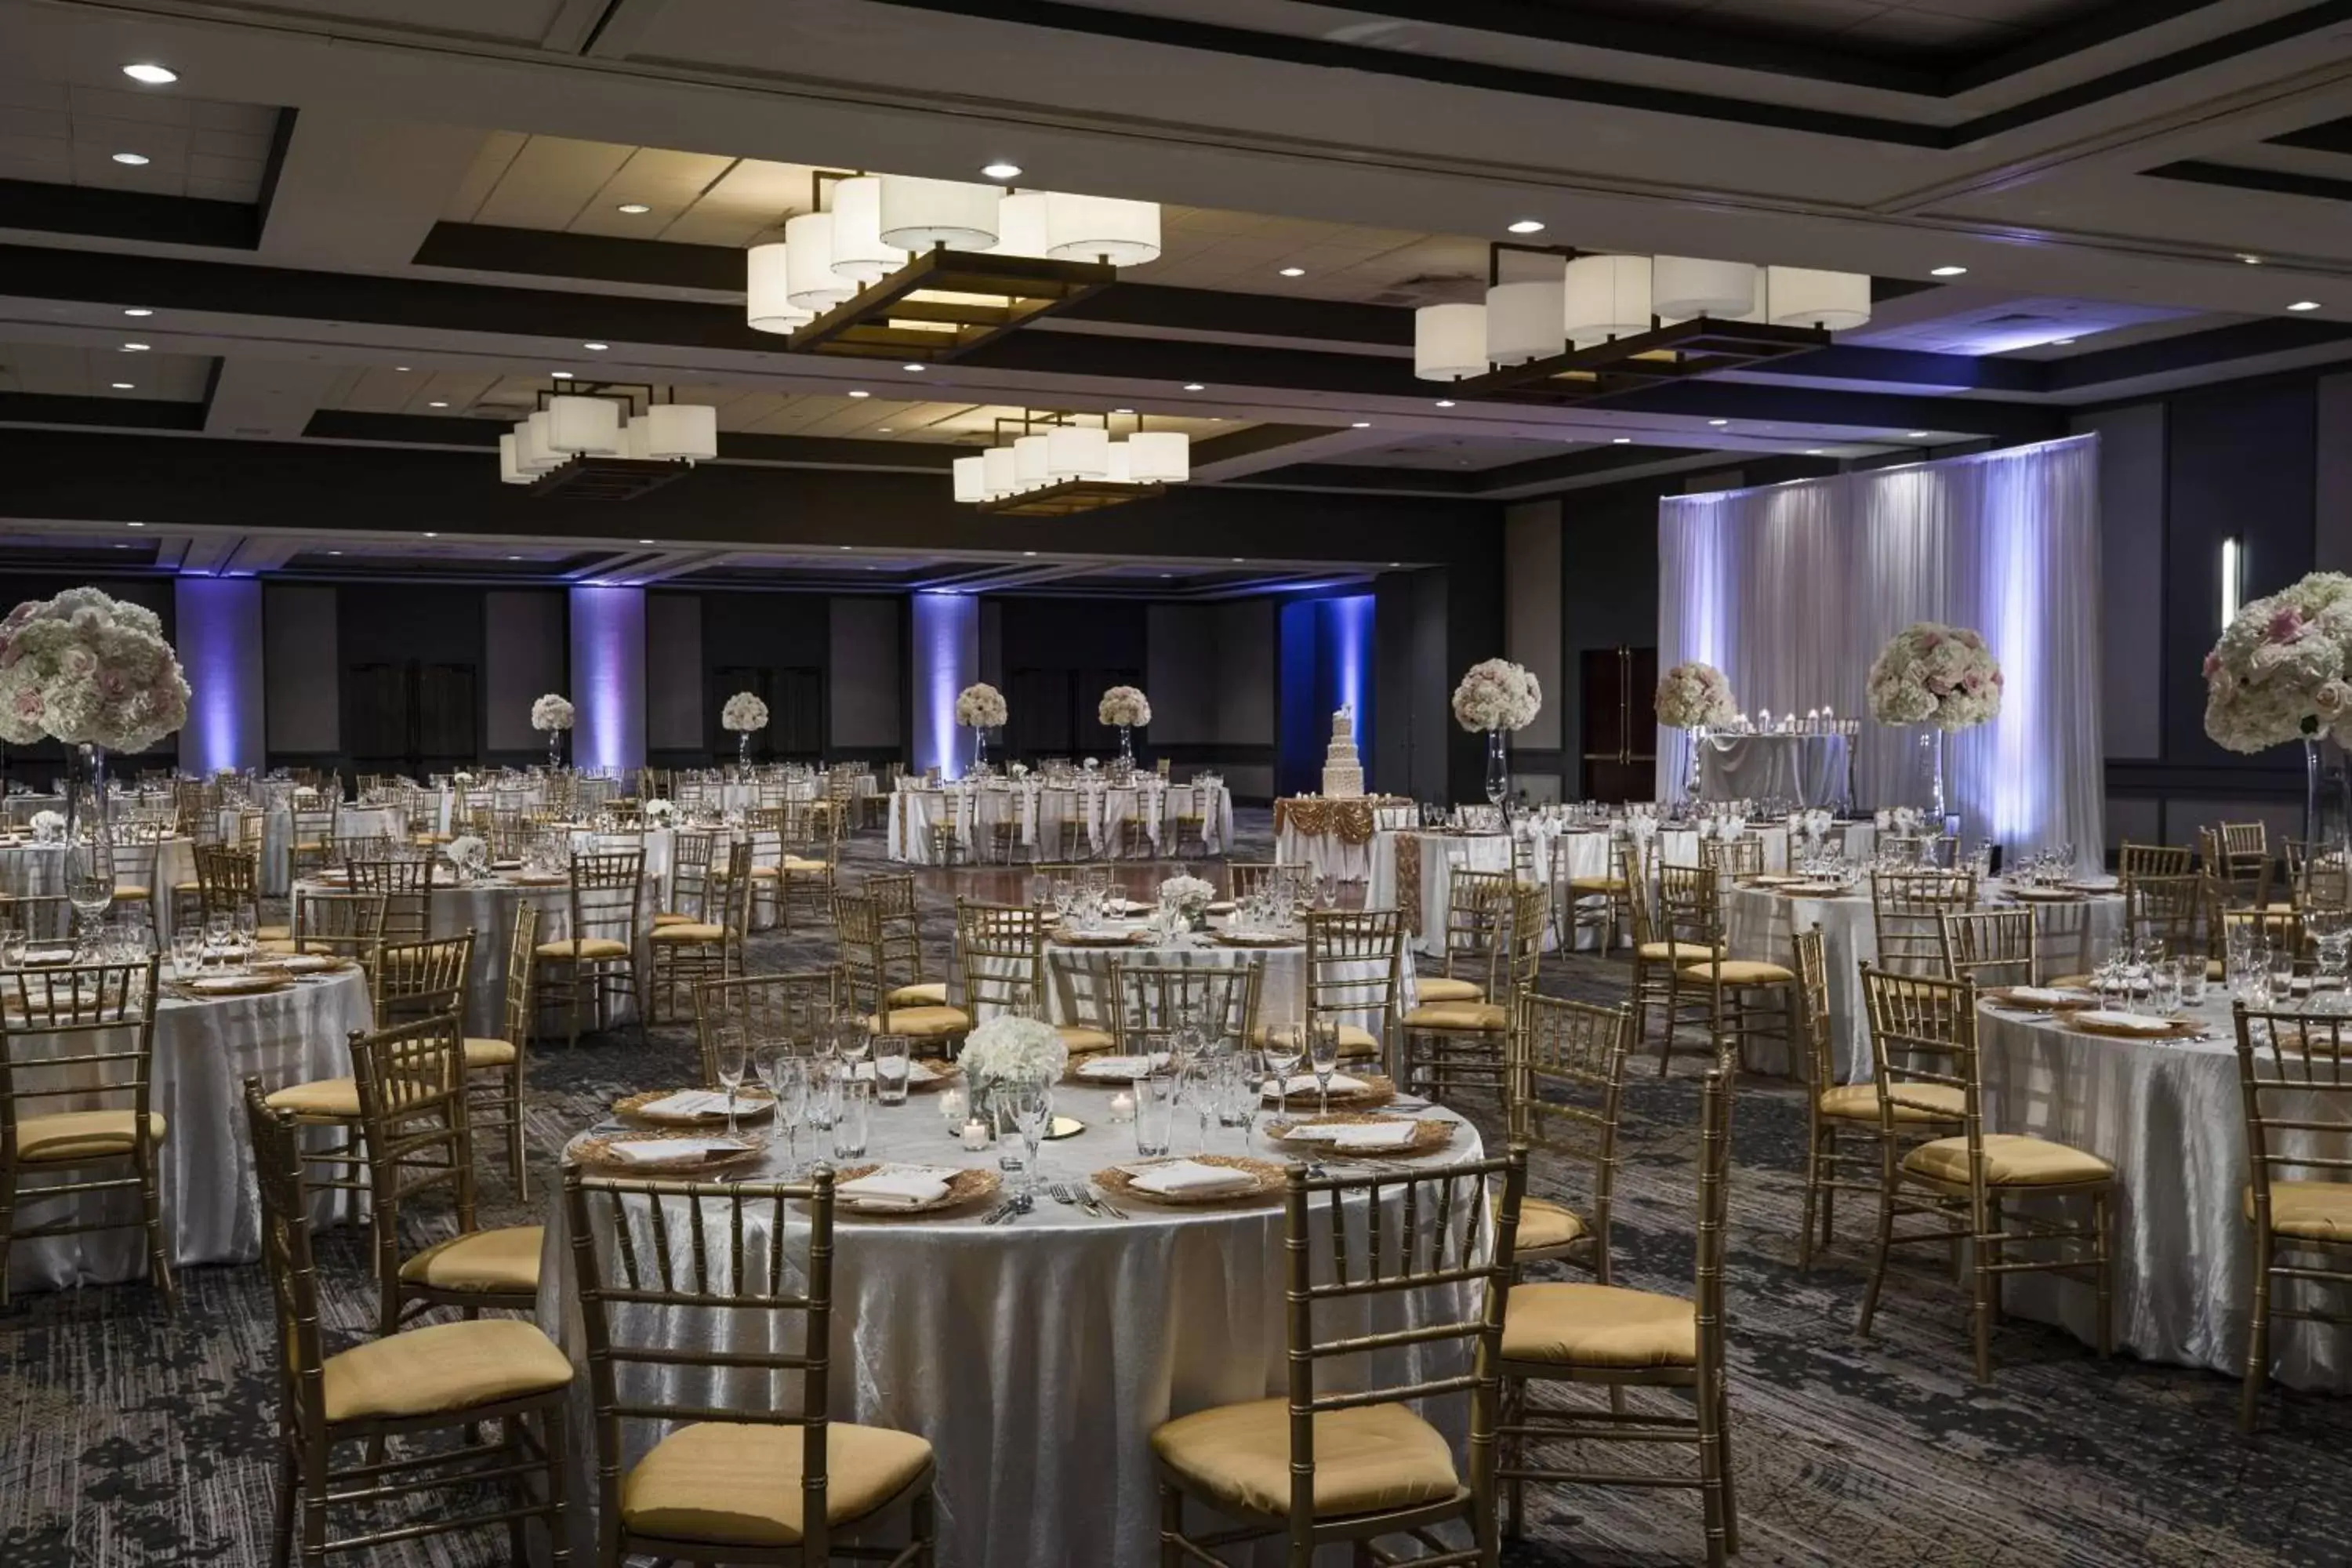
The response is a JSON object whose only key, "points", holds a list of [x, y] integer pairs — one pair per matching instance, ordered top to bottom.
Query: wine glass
{"points": [[89, 890], [850, 1041], [1284, 1048], [732, 1051], [1323, 1056], [787, 1078], [1032, 1112]]}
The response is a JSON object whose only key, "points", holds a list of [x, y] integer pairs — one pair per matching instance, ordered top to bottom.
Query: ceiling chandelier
{"points": [[889, 266], [1571, 326], [605, 441], [1050, 465]]}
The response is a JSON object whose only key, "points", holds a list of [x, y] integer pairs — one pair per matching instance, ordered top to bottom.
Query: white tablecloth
{"points": [[1039, 813], [277, 836], [1679, 845], [38, 870], [1079, 978], [203, 1052], [2169, 1117], [1036, 1356]]}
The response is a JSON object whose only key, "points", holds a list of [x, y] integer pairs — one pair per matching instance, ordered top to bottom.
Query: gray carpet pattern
{"points": [[130, 1437]]}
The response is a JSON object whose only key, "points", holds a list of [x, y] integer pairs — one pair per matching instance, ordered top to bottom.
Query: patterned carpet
{"points": [[128, 1437]]}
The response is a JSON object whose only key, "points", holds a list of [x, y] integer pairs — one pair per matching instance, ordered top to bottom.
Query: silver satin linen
{"points": [[1810, 769]]}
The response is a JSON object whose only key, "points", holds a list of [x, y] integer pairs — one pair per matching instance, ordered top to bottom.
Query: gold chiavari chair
{"points": [[1062, 814], [763, 829], [311, 837], [137, 848], [692, 851], [2236, 855], [1737, 859], [2151, 860], [805, 873], [1245, 878], [229, 882], [406, 886], [1602, 903], [1476, 904], [2165, 909], [1906, 914], [42, 917], [338, 925], [902, 936], [1992, 947], [1002, 950], [686, 954], [1656, 955], [1354, 959], [596, 963], [412, 979], [870, 979], [1739, 999], [1151, 1001], [768, 1006], [80, 1034], [1923, 1041], [1449, 1045], [496, 1069], [1568, 1074], [2295, 1078], [1835, 1112], [412, 1122], [1607, 1336], [449, 1379], [1326, 1467], [770, 1475]]}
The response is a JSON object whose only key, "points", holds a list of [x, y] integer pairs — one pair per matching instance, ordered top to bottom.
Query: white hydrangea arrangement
{"points": [[89, 669], [2280, 672], [1933, 674], [1497, 695], [1695, 695], [1124, 706], [980, 707], [551, 712], [743, 713], [661, 813], [49, 825], [468, 854], [1189, 894], [1009, 1049]]}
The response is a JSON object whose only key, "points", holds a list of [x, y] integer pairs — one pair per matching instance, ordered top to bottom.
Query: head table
{"points": [[1036, 813], [1037, 1355]]}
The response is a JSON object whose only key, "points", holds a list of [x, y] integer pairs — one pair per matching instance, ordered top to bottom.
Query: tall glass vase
{"points": [[1697, 743], [1127, 748], [554, 750], [979, 750], [743, 751], [1499, 771], [1929, 780], [2326, 797], [90, 813]]}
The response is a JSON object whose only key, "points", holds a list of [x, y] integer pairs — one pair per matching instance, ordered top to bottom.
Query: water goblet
{"points": [[187, 952], [2189, 975], [1284, 1046], [731, 1051], [1323, 1056], [787, 1078], [1032, 1105]]}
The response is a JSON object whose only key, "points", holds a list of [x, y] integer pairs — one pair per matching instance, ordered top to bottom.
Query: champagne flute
{"points": [[1284, 1048], [732, 1049], [1323, 1056], [787, 1078]]}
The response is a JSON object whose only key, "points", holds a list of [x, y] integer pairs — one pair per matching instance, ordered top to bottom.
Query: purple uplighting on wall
{"points": [[217, 632], [946, 635], [608, 677]]}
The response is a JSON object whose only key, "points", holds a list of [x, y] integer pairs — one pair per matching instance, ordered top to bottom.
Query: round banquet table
{"points": [[277, 836], [38, 870], [1409, 872], [2074, 935], [1079, 978], [203, 1052], [2168, 1117], [1036, 1356]]}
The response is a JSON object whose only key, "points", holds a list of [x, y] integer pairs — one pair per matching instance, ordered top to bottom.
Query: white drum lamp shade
{"points": [[916, 215], [1021, 224], [1101, 228], [859, 256], [809, 280], [1682, 286], [767, 291], [1608, 296], [1804, 297], [1523, 320], [1449, 342], [590, 425], [675, 430], [632, 441], [534, 451], [1077, 452], [1159, 457], [1029, 460], [1116, 467], [1002, 470], [510, 471], [971, 478]]}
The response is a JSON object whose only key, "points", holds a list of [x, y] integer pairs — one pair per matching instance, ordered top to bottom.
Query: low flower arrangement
{"points": [[2282, 669], [1932, 674], [1497, 695], [1694, 696], [1124, 706], [980, 707], [551, 712], [743, 713], [661, 813], [49, 825], [468, 854], [1189, 894], [1012, 1049]]}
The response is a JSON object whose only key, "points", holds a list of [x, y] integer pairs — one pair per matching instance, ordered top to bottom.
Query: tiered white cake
{"points": [[1343, 772]]}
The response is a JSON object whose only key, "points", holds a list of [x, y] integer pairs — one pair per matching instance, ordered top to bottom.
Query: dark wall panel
{"points": [[777, 645], [412, 674]]}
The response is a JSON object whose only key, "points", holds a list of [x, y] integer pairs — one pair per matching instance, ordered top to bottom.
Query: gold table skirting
{"points": [[1350, 821]]}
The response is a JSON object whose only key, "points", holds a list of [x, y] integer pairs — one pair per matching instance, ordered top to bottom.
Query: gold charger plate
{"points": [[535, 879], [1811, 889], [2049, 895], [1065, 938], [1255, 939], [309, 962], [217, 987], [2007, 996], [2174, 1029], [1377, 1091], [747, 1108], [1428, 1137], [596, 1149], [1118, 1185], [964, 1187]]}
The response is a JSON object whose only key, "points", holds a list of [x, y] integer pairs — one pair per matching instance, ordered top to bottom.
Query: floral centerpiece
{"points": [[93, 671], [2282, 672], [1935, 675], [1498, 696], [1695, 696], [980, 708], [1125, 709], [742, 714], [552, 715], [659, 813], [48, 826], [468, 854], [1188, 896], [1006, 1051]]}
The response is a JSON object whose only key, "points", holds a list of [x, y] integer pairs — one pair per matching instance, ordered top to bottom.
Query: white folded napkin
{"points": [[302, 962], [2043, 996], [2137, 1023], [1121, 1067], [918, 1071], [1303, 1083], [693, 1102], [1364, 1135], [654, 1153], [1192, 1177], [897, 1187]]}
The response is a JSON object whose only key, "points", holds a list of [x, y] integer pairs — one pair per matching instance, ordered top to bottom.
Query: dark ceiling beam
{"points": [[2328, 136], [2236, 177], [97, 213], [2193, 351], [1912, 367], [1757, 403], [105, 413], [734, 446], [1377, 477]]}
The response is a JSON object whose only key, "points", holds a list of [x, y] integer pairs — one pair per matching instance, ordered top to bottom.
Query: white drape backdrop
{"points": [[1791, 590]]}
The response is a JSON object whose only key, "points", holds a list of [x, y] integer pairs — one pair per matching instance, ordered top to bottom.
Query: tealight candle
{"points": [[1122, 1107], [975, 1133]]}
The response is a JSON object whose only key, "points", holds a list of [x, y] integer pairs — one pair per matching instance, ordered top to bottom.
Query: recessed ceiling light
{"points": [[152, 75], [133, 159], [1000, 170], [634, 209], [1527, 226], [2251, 260], [1294, 271], [1945, 271], [2304, 305], [137, 310], [2061, 342], [134, 348], [595, 348], [399, 367], [910, 367], [561, 374], [124, 385], [1195, 386], [860, 391], [437, 403], [1445, 403], [1122, 411], [1719, 424], [1361, 425], [882, 430], [1916, 435], [1621, 441], [1812, 451], [134, 525], [430, 535], [645, 541], [849, 547], [335, 552], [1028, 552], [514, 557], [1239, 559], [1396, 563], [1168, 573]]}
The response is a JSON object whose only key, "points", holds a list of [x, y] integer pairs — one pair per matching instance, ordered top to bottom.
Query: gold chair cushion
{"points": [[311, 847], [800, 867], [758, 874], [1596, 886], [187, 887], [133, 894], [672, 918], [697, 930], [273, 933], [582, 950], [1664, 952], [1740, 971], [1444, 988], [922, 993], [1478, 1016], [920, 1023], [1078, 1040], [1354, 1042], [486, 1053], [335, 1098], [1859, 1102], [67, 1137], [2010, 1159], [2319, 1211], [1544, 1225], [504, 1260], [1598, 1326], [446, 1367], [1373, 1459], [740, 1484]]}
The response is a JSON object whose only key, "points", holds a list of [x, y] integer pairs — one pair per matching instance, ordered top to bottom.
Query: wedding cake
{"points": [[1343, 772]]}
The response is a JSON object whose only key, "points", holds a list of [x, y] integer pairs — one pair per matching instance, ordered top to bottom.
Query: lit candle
{"points": [[1122, 1107], [975, 1134]]}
